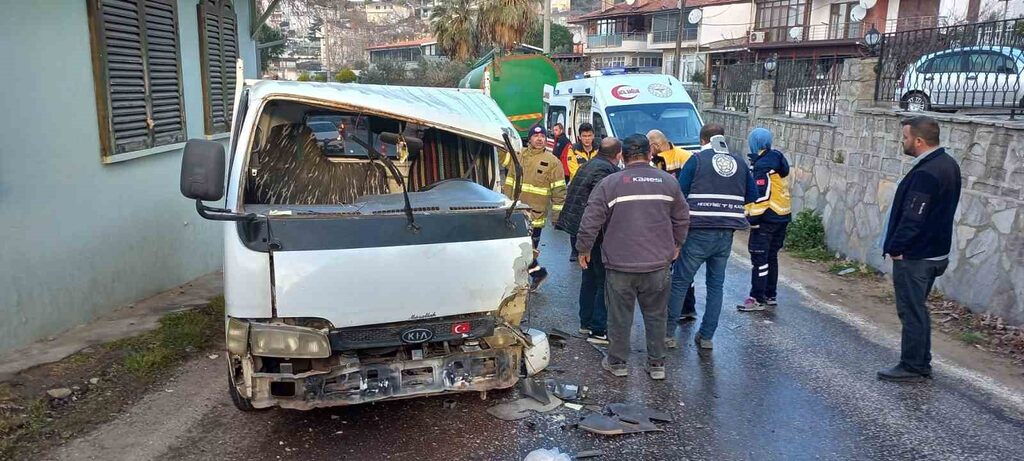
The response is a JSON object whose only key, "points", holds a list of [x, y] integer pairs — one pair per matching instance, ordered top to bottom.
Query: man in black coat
{"points": [[918, 236], [593, 315]]}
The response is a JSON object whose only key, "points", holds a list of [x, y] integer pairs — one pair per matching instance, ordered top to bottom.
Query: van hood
{"points": [[469, 113]]}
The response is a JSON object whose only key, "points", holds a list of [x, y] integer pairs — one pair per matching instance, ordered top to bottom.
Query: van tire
{"points": [[916, 101], [241, 403]]}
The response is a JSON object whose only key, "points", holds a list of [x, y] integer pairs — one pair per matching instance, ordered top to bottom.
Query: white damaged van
{"points": [[388, 266]]}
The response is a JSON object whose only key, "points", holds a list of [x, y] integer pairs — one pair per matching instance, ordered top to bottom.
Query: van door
{"points": [[600, 129]]}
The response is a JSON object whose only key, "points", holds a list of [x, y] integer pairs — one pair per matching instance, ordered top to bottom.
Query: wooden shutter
{"points": [[218, 43], [138, 74]]}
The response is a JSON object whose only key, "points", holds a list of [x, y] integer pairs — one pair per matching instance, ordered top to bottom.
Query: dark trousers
{"points": [[765, 242], [572, 245], [535, 267], [913, 281], [622, 292], [685, 304], [593, 314]]}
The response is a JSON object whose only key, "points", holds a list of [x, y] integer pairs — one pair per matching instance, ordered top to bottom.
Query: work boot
{"points": [[537, 279], [751, 305], [599, 339], [671, 343], [702, 343], [616, 369], [656, 369], [899, 374]]}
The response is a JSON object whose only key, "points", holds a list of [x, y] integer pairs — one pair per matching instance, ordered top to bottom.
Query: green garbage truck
{"points": [[516, 83]]}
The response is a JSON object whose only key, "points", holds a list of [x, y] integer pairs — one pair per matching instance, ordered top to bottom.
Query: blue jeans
{"points": [[710, 246]]}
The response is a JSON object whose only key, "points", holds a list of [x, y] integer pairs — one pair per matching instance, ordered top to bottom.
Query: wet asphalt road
{"points": [[792, 384]]}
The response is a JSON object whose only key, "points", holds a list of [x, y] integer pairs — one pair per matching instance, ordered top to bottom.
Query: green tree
{"points": [[505, 22], [455, 26], [462, 31], [268, 34], [561, 37], [360, 65], [386, 73], [345, 76], [304, 77], [320, 77]]}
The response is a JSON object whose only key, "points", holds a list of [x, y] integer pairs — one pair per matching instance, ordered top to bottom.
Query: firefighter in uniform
{"points": [[543, 189]]}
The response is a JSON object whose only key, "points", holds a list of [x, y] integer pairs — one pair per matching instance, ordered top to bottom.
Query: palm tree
{"points": [[505, 22], [455, 26]]}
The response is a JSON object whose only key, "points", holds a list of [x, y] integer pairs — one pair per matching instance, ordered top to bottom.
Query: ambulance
{"points": [[620, 103]]}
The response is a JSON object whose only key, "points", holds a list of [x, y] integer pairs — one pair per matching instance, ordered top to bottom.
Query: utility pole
{"points": [[547, 26], [679, 41]]}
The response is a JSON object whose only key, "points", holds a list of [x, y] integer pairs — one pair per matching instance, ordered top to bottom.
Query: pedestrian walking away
{"points": [[576, 156], [717, 185], [543, 190], [769, 216], [644, 219], [918, 235], [593, 315]]}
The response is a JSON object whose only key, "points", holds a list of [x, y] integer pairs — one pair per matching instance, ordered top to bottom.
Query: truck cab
{"points": [[619, 104], [390, 266]]}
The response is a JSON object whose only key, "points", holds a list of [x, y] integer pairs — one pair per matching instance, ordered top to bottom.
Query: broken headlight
{"points": [[237, 336], [288, 341]]}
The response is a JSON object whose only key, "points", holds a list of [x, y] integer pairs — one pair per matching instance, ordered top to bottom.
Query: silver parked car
{"points": [[977, 76]]}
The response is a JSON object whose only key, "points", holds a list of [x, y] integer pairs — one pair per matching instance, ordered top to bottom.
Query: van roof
{"points": [[617, 90], [470, 113]]}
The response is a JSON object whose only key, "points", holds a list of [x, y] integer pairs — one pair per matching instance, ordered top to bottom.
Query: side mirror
{"points": [[202, 170]]}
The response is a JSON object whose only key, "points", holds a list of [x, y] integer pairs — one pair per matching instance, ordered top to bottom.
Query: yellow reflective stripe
{"points": [[519, 118], [510, 181], [557, 184], [556, 207], [539, 222]]}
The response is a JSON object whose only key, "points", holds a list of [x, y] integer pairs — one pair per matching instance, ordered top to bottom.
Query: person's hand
{"points": [[584, 260]]}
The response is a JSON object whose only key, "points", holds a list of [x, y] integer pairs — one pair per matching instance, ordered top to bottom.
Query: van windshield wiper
{"points": [[374, 155]]}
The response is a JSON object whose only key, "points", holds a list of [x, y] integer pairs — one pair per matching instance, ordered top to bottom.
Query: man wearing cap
{"points": [[543, 188], [643, 218]]}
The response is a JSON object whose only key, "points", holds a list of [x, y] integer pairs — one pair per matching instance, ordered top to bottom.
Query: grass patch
{"points": [[805, 237], [178, 334], [972, 337]]}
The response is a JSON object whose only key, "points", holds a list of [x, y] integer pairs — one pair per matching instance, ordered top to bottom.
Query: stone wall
{"points": [[847, 170]]}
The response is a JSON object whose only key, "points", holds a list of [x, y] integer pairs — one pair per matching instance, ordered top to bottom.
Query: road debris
{"points": [[847, 271], [213, 356], [94, 381], [533, 389], [566, 391], [59, 393], [449, 404], [573, 406], [519, 409], [621, 418], [543, 454], [588, 454]]}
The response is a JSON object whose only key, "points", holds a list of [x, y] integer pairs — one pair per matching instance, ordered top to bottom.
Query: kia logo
{"points": [[625, 92], [417, 335]]}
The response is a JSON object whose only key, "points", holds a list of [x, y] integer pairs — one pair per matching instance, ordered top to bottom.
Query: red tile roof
{"points": [[642, 7], [405, 44]]}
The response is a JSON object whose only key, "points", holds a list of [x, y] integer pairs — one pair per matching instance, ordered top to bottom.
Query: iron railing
{"points": [[914, 23], [837, 31], [669, 36], [614, 40], [966, 66], [735, 79], [808, 88], [737, 102]]}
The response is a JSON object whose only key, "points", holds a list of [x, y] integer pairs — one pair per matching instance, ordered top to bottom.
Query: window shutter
{"points": [[218, 42], [138, 78]]}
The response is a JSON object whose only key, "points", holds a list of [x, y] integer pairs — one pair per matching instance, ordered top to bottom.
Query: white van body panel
{"points": [[382, 285], [247, 286]]}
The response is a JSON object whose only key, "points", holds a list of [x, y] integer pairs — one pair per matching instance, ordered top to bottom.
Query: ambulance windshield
{"points": [[678, 121]]}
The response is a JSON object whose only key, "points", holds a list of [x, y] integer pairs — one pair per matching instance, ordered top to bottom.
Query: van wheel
{"points": [[916, 102], [241, 403]]}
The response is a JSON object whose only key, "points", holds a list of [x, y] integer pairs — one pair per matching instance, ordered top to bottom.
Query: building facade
{"points": [[92, 214]]}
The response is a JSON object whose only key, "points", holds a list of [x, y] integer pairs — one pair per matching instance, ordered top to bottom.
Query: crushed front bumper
{"points": [[361, 383]]}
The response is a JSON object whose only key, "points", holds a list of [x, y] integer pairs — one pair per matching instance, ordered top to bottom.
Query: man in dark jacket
{"points": [[717, 185], [769, 216], [644, 219], [918, 236], [593, 316]]}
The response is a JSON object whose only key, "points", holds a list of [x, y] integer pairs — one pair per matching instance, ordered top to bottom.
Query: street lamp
{"points": [[872, 38], [770, 65]]}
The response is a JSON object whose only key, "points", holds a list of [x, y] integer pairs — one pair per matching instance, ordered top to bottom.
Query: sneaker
{"points": [[573, 258], [537, 279], [771, 302], [751, 305], [584, 331], [594, 338], [671, 343], [702, 343], [618, 369], [656, 370]]}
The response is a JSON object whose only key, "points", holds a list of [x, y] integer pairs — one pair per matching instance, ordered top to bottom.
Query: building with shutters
{"points": [[99, 97]]}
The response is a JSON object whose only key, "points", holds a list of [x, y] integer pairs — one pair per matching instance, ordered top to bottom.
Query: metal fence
{"points": [[977, 65], [733, 80], [807, 88]]}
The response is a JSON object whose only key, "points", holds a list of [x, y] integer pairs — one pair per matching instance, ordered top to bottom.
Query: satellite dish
{"points": [[630, 2], [868, 4], [857, 13], [695, 16], [796, 32], [576, 39]]}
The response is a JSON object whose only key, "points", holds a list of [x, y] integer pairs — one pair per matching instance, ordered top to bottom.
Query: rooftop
{"points": [[646, 7], [404, 44]]}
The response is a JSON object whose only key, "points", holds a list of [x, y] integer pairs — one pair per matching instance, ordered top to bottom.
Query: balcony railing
{"points": [[915, 23], [840, 31], [669, 36], [614, 40]]}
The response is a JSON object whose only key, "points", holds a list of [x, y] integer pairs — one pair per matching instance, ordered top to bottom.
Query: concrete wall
{"points": [[726, 21], [848, 171], [81, 237]]}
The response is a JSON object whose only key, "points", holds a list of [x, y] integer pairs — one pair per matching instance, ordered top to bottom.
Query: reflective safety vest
{"points": [[576, 156], [672, 160], [543, 184], [773, 190], [717, 196]]}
